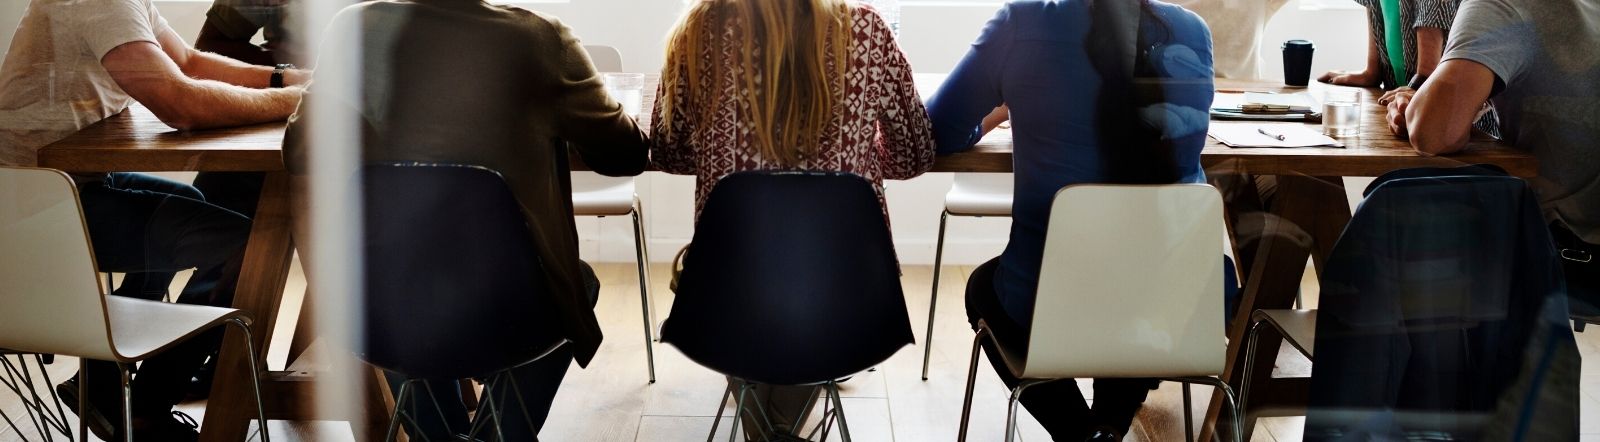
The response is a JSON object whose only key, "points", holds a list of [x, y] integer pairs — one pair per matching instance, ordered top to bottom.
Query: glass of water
{"points": [[627, 89], [1341, 113]]}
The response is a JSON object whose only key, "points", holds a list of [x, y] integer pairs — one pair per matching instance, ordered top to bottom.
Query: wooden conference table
{"points": [[1309, 184]]}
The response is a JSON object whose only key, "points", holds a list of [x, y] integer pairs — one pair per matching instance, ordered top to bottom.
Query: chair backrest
{"points": [[604, 58], [791, 279], [454, 284], [1130, 284], [1439, 297], [53, 301]]}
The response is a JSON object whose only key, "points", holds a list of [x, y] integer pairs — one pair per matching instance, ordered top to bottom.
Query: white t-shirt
{"points": [[1236, 29], [52, 83]]}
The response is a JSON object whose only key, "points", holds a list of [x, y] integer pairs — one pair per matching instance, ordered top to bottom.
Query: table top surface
{"points": [[135, 140]]}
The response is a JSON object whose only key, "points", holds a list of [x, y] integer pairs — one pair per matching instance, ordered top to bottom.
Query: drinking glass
{"points": [[627, 89], [1341, 113]]}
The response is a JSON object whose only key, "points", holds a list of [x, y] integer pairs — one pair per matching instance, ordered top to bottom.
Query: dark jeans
{"points": [[235, 191], [140, 223], [1059, 406], [439, 413]]}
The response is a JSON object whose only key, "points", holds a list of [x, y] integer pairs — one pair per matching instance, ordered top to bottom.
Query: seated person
{"points": [[231, 25], [75, 63], [1537, 63], [498, 87], [853, 109], [1078, 116]]}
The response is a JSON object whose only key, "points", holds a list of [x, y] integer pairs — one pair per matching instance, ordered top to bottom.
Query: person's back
{"points": [[1033, 59], [711, 121]]}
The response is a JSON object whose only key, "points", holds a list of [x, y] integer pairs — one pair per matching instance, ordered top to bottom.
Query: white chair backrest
{"points": [[604, 58], [985, 183], [1130, 284], [50, 295]]}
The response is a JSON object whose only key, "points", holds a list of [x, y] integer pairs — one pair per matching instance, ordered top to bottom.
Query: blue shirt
{"points": [[1031, 57]]}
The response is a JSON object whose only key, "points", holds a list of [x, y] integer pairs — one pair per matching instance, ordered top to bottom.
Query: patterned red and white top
{"points": [[881, 132]]}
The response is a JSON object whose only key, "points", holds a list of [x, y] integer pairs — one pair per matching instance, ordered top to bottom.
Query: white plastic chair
{"points": [[975, 195], [602, 196], [1132, 289], [55, 303], [1298, 327]]}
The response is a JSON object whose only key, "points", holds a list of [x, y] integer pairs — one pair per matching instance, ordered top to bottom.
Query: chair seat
{"points": [[597, 195], [980, 195], [1299, 327], [140, 328]]}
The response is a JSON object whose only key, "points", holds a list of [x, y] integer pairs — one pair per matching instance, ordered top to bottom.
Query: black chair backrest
{"points": [[791, 279], [454, 286], [1434, 301]]}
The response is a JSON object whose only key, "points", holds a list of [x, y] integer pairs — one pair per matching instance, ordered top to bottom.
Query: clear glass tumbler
{"points": [[1341, 113]]}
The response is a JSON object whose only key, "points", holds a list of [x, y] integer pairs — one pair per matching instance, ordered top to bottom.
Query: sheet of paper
{"points": [[1249, 135]]}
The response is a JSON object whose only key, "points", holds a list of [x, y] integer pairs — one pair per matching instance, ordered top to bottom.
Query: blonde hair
{"points": [[786, 84]]}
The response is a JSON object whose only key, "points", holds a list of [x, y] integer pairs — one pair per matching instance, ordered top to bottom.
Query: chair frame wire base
{"points": [[641, 251], [20, 381], [1016, 396], [832, 412]]}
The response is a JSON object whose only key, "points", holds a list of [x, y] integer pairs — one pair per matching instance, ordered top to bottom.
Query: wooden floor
{"points": [[611, 400]]}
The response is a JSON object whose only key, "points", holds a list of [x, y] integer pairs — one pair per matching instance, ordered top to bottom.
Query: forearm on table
{"points": [[204, 104], [1440, 116]]}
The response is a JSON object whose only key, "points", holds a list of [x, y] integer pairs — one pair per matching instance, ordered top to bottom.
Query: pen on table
{"points": [[1280, 137]]}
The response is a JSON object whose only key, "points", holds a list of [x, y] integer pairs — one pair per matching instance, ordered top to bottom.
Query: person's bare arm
{"points": [[1430, 48], [209, 66], [150, 76], [1439, 117]]}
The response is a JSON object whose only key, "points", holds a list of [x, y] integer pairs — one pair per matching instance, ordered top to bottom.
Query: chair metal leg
{"points": [[644, 247], [644, 292], [933, 301], [1249, 363], [255, 375], [972, 378], [83, 398], [127, 401], [1232, 403], [399, 405], [720, 405], [838, 409], [1011, 409], [738, 412], [1188, 414]]}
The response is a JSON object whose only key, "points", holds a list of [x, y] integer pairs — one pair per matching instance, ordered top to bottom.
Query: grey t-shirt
{"points": [[1547, 52]]}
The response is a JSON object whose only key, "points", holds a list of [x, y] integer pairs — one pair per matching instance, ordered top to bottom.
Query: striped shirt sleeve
{"points": [[1438, 14]]}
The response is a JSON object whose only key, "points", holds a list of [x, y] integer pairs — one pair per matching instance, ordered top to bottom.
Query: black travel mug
{"points": [[1297, 62]]}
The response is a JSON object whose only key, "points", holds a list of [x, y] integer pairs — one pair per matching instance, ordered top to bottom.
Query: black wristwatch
{"points": [[277, 75], [1416, 81]]}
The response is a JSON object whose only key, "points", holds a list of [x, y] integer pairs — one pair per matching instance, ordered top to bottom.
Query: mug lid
{"points": [[1299, 43]]}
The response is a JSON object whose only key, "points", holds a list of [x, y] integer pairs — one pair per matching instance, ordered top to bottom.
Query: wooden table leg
{"points": [[1306, 218], [260, 293]]}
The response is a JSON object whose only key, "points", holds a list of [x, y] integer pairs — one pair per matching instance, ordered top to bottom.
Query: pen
{"points": [[1280, 137]]}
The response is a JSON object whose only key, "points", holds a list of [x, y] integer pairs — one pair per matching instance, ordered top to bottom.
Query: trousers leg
{"points": [[140, 223]]}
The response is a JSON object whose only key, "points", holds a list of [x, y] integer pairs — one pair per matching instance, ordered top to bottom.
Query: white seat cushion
{"points": [[980, 194], [597, 195], [140, 328]]}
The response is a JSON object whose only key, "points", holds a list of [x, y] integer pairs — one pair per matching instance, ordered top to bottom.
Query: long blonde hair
{"points": [[786, 84]]}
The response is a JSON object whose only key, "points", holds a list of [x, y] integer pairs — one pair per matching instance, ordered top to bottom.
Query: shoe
{"points": [[91, 415], [178, 427], [1103, 435]]}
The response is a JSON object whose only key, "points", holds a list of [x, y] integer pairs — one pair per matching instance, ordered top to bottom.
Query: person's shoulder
{"points": [[1046, 13], [1185, 23]]}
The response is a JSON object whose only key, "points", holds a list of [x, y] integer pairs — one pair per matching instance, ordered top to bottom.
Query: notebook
{"points": [[1258, 102]]}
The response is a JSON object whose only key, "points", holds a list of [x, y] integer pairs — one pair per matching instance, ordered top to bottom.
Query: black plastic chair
{"points": [[791, 280], [454, 285], [1443, 316]]}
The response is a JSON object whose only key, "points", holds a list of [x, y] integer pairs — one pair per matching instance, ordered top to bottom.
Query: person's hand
{"points": [[1363, 78], [1389, 96], [1399, 100], [999, 116]]}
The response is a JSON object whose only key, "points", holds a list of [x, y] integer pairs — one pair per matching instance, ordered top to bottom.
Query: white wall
{"points": [[934, 37]]}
